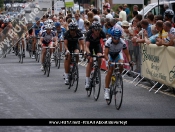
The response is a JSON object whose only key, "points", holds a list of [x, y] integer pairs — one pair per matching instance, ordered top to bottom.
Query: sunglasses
{"points": [[125, 27], [73, 30], [97, 30], [116, 38]]}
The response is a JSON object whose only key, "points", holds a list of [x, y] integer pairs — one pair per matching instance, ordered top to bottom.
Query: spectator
{"points": [[107, 4], [135, 8], [126, 9], [94, 11], [134, 13], [122, 14], [169, 14], [85, 15], [109, 15], [90, 17], [150, 19], [80, 22], [86, 25]]}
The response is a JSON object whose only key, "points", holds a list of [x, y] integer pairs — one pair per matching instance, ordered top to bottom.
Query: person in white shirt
{"points": [[94, 11], [122, 14], [109, 15], [80, 22]]}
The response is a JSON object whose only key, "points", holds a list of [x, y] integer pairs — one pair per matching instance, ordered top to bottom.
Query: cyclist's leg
{"points": [[34, 44], [23, 46], [76, 49], [98, 52], [43, 54], [67, 65], [88, 69]]}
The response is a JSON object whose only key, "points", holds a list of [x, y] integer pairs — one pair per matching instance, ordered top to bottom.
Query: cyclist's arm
{"points": [[66, 44], [106, 53], [127, 54]]}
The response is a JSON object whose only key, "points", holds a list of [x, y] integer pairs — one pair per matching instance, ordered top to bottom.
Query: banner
{"points": [[69, 3], [57, 6], [158, 63]]}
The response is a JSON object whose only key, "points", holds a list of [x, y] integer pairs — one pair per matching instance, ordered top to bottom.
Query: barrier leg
{"points": [[125, 73], [135, 78], [139, 81], [153, 86], [159, 88]]}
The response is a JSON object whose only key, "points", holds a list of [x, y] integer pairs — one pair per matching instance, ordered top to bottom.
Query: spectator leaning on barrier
{"points": [[136, 8], [122, 14]]}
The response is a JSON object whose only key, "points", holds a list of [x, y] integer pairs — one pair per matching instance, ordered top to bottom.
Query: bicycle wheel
{"points": [[21, 54], [36, 55], [38, 58], [55, 58], [59, 58], [48, 64], [75, 78], [90, 85], [97, 85], [118, 92]]}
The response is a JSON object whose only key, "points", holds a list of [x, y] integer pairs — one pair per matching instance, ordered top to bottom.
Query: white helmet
{"points": [[48, 26]]}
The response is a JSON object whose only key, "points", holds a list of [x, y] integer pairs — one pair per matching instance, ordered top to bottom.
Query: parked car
{"points": [[153, 8], [27, 9]]}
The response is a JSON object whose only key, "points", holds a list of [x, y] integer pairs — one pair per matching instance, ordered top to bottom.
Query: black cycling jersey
{"points": [[73, 40], [95, 41]]}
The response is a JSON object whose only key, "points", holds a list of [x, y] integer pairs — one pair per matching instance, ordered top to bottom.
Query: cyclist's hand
{"points": [[67, 52], [88, 55], [131, 63]]}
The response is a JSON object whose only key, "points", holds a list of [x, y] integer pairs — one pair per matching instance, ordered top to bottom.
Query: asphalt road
{"points": [[26, 93]]}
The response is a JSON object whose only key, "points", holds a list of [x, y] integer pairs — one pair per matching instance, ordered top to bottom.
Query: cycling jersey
{"points": [[37, 28], [60, 33], [47, 38], [73, 41], [95, 42], [114, 49]]}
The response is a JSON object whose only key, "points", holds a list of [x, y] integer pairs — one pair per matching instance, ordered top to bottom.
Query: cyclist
{"points": [[37, 27], [30, 33], [59, 33], [48, 36], [73, 42], [93, 43], [113, 46]]}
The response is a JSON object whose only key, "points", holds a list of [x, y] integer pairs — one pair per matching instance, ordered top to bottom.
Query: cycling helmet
{"points": [[169, 13], [37, 18], [6, 20], [30, 21], [50, 21], [57, 24], [73, 25], [96, 25], [48, 26], [116, 33]]}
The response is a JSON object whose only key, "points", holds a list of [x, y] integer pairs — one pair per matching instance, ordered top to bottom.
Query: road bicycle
{"points": [[20, 51], [47, 62], [74, 73], [95, 78], [116, 86]]}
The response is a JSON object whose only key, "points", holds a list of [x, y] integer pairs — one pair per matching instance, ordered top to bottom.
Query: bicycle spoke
{"points": [[118, 92]]}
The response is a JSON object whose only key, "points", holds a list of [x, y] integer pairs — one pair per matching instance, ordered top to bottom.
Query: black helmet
{"points": [[169, 13], [73, 25], [96, 25]]}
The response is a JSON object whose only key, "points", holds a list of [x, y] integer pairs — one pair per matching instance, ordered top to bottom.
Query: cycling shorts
{"points": [[73, 47], [97, 48], [113, 60]]}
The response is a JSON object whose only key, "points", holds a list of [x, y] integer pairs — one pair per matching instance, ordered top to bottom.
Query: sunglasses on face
{"points": [[125, 27], [73, 30], [97, 30], [116, 38]]}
